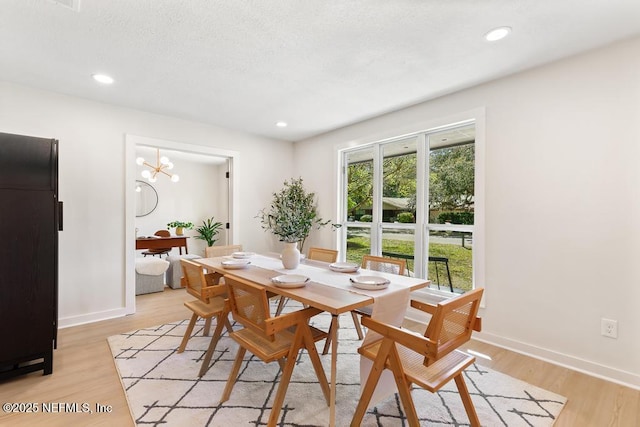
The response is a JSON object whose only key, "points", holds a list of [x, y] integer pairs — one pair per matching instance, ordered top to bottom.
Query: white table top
{"points": [[319, 272]]}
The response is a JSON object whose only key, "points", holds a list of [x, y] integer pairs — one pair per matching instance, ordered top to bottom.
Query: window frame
{"points": [[422, 226]]}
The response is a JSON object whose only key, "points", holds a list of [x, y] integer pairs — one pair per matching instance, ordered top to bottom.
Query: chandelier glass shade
{"points": [[163, 164]]}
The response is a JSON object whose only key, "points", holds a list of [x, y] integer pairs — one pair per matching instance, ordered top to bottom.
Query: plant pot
{"points": [[179, 231], [290, 255]]}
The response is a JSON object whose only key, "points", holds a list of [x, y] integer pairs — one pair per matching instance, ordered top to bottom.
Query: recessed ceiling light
{"points": [[497, 34], [103, 78], [281, 124]]}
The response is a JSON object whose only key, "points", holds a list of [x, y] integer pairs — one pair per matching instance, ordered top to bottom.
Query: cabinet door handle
{"points": [[60, 211]]}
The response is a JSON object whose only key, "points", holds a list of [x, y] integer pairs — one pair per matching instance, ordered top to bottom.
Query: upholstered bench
{"points": [[174, 272], [150, 275]]}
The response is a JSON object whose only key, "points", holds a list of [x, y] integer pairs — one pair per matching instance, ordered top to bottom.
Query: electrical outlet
{"points": [[609, 328]]}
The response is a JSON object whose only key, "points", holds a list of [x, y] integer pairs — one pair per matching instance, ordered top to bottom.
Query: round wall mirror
{"points": [[146, 198]]}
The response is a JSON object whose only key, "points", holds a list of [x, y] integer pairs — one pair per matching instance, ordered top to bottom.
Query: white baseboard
{"points": [[66, 322], [627, 379]]}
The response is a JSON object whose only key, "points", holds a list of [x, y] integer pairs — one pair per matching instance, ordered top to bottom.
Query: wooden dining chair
{"points": [[159, 251], [216, 251], [314, 254], [322, 254], [377, 263], [384, 264], [211, 302], [271, 339], [428, 361]]}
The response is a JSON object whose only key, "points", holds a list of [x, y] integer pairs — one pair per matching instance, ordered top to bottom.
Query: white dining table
{"points": [[330, 291]]}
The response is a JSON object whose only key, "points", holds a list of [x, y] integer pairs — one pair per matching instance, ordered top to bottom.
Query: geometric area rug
{"points": [[163, 387]]}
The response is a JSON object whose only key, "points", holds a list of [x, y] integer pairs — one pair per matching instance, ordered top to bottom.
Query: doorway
{"points": [[194, 158]]}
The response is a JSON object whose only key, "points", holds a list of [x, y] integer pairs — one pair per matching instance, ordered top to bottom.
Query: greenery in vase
{"points": [[292, 214], [176, 224], [208, 231]]}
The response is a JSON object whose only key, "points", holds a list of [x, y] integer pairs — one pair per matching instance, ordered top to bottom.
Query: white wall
{"points": [[92, 185], [562, 204], [562, 251]]}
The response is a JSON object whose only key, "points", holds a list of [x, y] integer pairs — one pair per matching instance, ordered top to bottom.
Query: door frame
{"points": [[131, 141]]}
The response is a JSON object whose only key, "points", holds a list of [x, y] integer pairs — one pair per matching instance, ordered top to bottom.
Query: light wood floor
{"points": [[84, 371]]}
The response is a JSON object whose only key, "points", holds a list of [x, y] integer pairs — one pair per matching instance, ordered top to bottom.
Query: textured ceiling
{"points": [[316, 64]]}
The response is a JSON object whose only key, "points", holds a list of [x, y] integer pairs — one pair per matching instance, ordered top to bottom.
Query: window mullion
{"points": [[422, 212], [344, 214], [376, 224]]}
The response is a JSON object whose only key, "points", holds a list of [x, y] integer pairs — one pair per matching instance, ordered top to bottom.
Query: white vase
{"points": [[290, 255]]}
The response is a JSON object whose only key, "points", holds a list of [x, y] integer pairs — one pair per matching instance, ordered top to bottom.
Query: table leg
{"points": [[334, 356]]}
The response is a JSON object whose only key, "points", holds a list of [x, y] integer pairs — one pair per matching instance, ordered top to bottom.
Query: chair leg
{"points": [[281, 303], [356, 323], [227, 324], [207, 327], [187, 333], [327, 342], [310, 345], [212, 346], [233, 375], [285, 377], [372, 382], [404, 388], [280, 394], [466, 401]]}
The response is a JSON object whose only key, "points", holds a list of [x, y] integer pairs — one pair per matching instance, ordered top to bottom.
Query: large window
{"points": [[414, 198]]}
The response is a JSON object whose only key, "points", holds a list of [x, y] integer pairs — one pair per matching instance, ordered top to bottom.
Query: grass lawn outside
{"points": [[459, 258]]}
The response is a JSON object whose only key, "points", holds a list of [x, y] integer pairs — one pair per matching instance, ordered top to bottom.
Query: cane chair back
{"points": [[216, 251], [322, 254], [384, 264], [200, 285], [211, 303], [250, 306], [451, 325], [278, 338], [429, 361]]}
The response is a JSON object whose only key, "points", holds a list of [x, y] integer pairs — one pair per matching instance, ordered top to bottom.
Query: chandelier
{"points": [[162, 165]]}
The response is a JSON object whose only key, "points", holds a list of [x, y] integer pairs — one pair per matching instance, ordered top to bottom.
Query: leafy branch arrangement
{"points": [[292, 214]]}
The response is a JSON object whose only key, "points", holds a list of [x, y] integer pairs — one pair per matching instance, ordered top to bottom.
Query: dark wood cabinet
{"points": [[30, 218]]}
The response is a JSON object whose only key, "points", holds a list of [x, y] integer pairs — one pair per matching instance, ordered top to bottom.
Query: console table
{"points": [[162, 242]]}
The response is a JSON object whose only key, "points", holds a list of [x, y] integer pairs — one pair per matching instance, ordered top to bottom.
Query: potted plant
{"points": [[291, 217], [180, 227], [208, 231]]}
